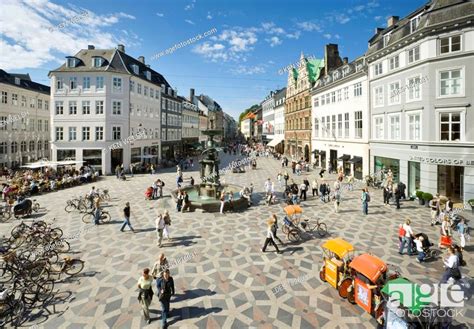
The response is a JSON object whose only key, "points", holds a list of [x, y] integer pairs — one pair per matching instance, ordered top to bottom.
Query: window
{"points": [[414, 22], [386, 39], [450, 44], [414, 54], [97, 61], [71, 62], [394, 62], [135, 69], [378, 69], [17, 81], [73, 83], [86, 83], [99, 83], [451, 83], [59, 84], [117, 84], [132, 86], [139, 88], [358, 89], [394, 90], [414, 90], [145, 91], [152, 93], [346, 93], [339, 95], [378, 96], [4, 97], [333, 97], [15, 99], [323, 100], [23, 101], [316, 102], [32, 103], [40, 103], [46, 105], [59, 107], [72, 107], [86, 107], [99, 107], [117, 107], [3, 123], [32, 124], [328, 124], [358, 124], [40, 125], [46, 125], [339, 125], [333, 126], [450, 126], [316, 127], [323, 127], [378, 127], [395, 127], [414, 127], [72, 133], [86, 133], [99, 133], [116, 133], [59, 135], [40, 145], [46, 145], [23, 146], [31, 146], [14, 147], [3, 148]]}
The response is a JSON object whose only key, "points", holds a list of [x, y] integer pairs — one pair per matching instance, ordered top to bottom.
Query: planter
{"points": [[421, 202], [427, 203]]}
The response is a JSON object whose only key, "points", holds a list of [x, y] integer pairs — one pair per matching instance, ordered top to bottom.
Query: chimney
{"points": [[392, 20], [90, 47], [121, 48], [331, 57], [141, 59], [345, 60], [191, 94]]}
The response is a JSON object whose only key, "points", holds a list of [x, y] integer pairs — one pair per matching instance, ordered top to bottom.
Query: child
{"points": [[401, 234], [419, 248]]}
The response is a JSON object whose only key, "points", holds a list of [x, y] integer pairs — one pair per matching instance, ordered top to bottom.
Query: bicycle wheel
{"points": [[36, 207], [82, 207], [69, 208], [105, 217], [88, 218], [285, 229], [322, 229], [17, 231], [56, 233], [294, 235], [62, 246], [74, 267], [38, 274], [6, 275], [45, 290]]}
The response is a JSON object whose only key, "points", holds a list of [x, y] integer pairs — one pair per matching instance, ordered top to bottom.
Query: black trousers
{"points": [[315, 190], [303, 195], [267, 241]]}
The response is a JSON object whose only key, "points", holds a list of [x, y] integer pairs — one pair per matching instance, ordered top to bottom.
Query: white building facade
{"points": [[422, 89], [340, 116], [268, 117], [24, 120], [278, 141]]}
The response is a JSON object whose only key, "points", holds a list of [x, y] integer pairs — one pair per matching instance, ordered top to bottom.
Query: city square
{"points": [[225, 281]]}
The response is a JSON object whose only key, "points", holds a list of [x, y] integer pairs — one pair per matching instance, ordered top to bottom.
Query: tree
{"points": [[245, 112]]}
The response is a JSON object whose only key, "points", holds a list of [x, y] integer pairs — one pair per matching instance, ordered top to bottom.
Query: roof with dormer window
{"points": [[25, 82]]}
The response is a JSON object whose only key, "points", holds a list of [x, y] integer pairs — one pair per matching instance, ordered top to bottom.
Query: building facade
{"points": [[421, 80], [298, 107], [106, 109], [340, 116], [268, 117], [24, 120], [171, 124], [190, 125], [230, 128], [278, 141]]}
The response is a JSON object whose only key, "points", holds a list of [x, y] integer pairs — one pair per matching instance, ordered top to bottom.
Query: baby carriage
{"points": [[148, 193], [427, 247]]}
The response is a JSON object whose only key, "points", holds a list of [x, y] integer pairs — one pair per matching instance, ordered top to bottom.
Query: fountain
{"points": [[206, 196]]}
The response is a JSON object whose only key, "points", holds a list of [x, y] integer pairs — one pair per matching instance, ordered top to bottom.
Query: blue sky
{"points": [[237, 65]]}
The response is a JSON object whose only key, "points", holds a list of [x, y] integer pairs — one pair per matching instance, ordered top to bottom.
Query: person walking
{"points": [[293, 167], [152, 169], [131, 170], [286, 176], [279, 179], [350, 182], [160, 184], [154, 186], [268, 186], [314, 186], [303, 191], [322, 191], [386, 195], [397, 197], [222, 199], [337, 199], [179, 200], [365, 201], [187, 203], [434, 206], [97, 212], [126, 215], [160, 226], [275, 229], [166, 230], [462, 230], [270, 237], [407, 239], [419, 248], [160, 266], [452, 266], [165, 287], [145, 294]]}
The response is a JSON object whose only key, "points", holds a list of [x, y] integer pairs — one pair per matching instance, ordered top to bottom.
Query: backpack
{"points": [[162, 184], [367, 197]]}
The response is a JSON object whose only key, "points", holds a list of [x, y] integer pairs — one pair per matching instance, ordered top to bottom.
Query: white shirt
{"points": [[268, 186], [160, 223], [408, 230], [270, 233], [419, 245], [452, 261]]}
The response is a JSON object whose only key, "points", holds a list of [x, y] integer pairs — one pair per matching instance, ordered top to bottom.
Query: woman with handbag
{"points": [[452, 266], [165, 287], [146, 293]]}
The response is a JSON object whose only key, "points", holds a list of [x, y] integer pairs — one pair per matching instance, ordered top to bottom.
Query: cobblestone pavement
{"points": [[226, 282]]}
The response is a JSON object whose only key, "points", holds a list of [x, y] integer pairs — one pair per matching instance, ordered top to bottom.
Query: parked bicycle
{"points": [[76, 204], [90, 217]]}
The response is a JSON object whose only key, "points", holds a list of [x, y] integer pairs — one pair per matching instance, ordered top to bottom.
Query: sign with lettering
{"points": [[443, 161]]}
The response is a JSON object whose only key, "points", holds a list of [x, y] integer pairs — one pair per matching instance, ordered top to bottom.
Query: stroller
{"points": [[148, 193], [427, 247]]}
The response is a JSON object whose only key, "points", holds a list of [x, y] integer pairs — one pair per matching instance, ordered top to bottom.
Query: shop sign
{"points": [[414, 147], [443, 161]]}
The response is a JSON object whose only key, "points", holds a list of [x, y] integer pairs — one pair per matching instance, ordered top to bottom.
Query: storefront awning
{"points": [[274, 142], [344, 157], [355, 160]]}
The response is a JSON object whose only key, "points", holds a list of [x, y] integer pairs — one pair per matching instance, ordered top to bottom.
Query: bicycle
{"points": [[78, 204], [36, 206], [5, 213], [89, 217], [321, 228], [70, 266], [11, 308]]}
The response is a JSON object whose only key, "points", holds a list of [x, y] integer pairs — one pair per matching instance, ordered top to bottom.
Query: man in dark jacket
{"points": [[322, 191], [126, 215], [165, 288]]}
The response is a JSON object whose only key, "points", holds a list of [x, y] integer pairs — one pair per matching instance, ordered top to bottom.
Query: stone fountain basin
{"points": [[210, 203]]}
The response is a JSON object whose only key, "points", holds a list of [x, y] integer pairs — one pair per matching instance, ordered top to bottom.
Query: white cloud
{"points": [[190, 6], [160, 14], [209, 15], [342, 18], [378, 18], [189, 21], [309, 26], [271, 28], [34, 33], [295, 35], [327, 35], [337, 36], [274, 41], [248, 70]]}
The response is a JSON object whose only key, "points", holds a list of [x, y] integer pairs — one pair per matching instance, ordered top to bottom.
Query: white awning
{"points": [[274, 142]]}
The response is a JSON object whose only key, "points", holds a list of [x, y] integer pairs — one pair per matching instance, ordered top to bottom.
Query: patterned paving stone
{"points": [[229, 282]]}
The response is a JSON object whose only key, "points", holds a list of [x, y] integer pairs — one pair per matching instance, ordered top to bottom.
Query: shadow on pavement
{"points": [[181, 241], [191, 294], [194, 312]]}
